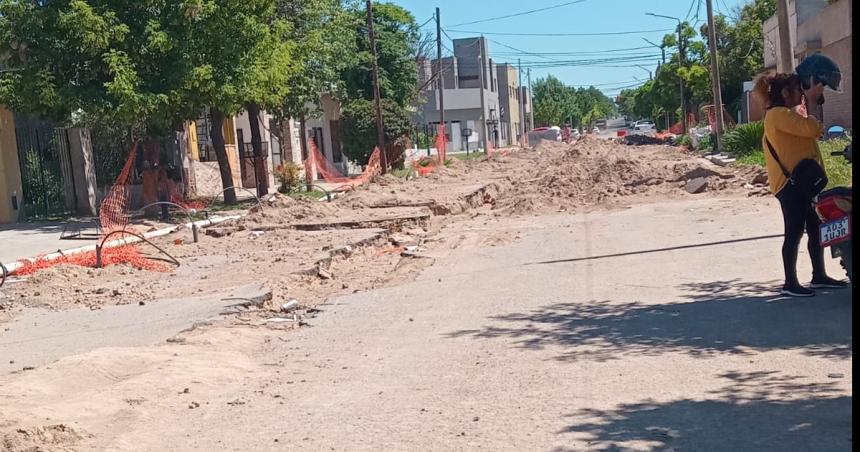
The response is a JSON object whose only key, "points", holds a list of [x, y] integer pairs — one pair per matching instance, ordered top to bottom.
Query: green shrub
{"points": [[744, 139], [706, 143], [838, 169]]}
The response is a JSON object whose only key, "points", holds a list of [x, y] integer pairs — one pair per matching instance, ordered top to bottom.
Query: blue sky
{"points": [[586, 16]]}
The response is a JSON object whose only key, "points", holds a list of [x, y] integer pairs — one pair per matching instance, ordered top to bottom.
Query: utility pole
{"points": [[785, 62], [680, 63], [481, 67], [439, 71], [715, 76], [681, 79], [520, 101], [531, 103], [483, 126], [380, 128]]}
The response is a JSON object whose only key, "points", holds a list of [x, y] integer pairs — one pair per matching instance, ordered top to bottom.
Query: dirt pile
{"points": [[594, 172], [58, 437]]}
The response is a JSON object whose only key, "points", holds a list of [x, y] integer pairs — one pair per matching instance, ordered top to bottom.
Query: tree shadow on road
{"points": [[711, 318], [755, 412]]}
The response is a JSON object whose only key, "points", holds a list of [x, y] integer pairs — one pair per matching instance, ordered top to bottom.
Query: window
{"points": [[205, 151]]}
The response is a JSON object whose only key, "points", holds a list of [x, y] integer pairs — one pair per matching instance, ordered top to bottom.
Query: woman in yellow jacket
{"points": [[794, 137]]}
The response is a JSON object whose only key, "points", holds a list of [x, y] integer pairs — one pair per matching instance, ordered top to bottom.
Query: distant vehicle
{"points": [[600, 123], [644, 128], [595, 130], [544, 133], [575, 134]]}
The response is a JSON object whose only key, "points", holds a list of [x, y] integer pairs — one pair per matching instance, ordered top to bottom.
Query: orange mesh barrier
{"points": [[712, 117], [678, 129], [441, 144], [327, 171], [113, 210], [127, 254]]}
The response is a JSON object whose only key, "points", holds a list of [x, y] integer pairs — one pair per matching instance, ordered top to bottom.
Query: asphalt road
{"points": [[654, 328]]}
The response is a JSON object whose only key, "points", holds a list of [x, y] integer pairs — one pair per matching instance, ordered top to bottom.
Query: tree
{"points": [[323, 32], [398, 41], [237, 55], [106, 60], [145, 66], [553, 102], [359, 126]]}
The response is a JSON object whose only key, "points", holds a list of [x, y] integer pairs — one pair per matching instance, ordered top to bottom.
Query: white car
{"points": [[643, 127], [595, 130], [575, 134]]}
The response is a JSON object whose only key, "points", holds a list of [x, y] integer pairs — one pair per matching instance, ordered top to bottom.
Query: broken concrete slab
{"points": [[697, 185]]}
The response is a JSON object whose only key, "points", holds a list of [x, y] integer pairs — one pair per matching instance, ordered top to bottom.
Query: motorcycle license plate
{"points": [[835, 231]]}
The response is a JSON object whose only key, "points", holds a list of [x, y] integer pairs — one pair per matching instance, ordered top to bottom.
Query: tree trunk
{"points": [[217, 135], [303, 137], [257, 144]]}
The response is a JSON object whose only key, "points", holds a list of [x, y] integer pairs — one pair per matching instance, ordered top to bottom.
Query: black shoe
{"points": [[828, 283], [797, 291]]}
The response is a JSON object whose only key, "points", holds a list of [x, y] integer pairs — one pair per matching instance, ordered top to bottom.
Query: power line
{"points": [[690, 11], [520, 14], [427, 21], [607, 33], [523, 51], [589, 52]]}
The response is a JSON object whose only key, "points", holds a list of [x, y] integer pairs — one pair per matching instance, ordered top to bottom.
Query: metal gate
{"points": [[46, 170]]}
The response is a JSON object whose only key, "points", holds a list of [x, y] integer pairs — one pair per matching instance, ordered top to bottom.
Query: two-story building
{"points": [[466, 99]]}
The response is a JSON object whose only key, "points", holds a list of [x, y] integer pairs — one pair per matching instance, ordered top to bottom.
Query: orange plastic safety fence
{"points": [[712, 116], [678, 129], [441, 144], [329, 173], [177, 197], [113, 210], [127, 254]]}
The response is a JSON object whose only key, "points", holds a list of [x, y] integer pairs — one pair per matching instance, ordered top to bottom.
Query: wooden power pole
{"points": [[785, 64], [439, 71], [715, 77], [380, 128]]}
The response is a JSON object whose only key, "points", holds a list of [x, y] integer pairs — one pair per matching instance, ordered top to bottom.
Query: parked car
{"points": [[644, 128], [595, 130], [575, 134]]}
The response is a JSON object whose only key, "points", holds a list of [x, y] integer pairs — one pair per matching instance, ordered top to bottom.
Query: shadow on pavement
{"points": [[660, 250], [721, 317], [755, 412]]}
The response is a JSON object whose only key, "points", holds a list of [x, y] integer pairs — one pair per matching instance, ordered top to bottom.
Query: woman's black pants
{"points": [[798, 214]]}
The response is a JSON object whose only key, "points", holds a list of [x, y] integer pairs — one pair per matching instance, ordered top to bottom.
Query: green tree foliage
{"points": [[397, 40], [325, 46], [741, 55], [146, 66], [557, 104], [359, 127]]}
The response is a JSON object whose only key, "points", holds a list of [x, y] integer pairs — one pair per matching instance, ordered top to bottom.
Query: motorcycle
{"points": [[834, 209]]}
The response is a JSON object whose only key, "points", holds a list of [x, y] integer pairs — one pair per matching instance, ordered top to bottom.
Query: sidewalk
{"points": [[23, 240]]}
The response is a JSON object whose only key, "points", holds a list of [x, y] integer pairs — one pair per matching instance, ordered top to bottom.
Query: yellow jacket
{"points": [[794, 138]]}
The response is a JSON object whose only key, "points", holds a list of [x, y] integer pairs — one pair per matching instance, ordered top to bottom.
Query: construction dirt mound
{"points": [[596, 171]]}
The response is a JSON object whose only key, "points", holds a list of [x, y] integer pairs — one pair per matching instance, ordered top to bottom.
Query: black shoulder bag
{"points": [[808, 177]]}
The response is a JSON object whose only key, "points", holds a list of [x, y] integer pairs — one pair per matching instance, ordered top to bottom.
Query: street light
{"points": [[661, 47], [681, 64], [650, 75]]}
